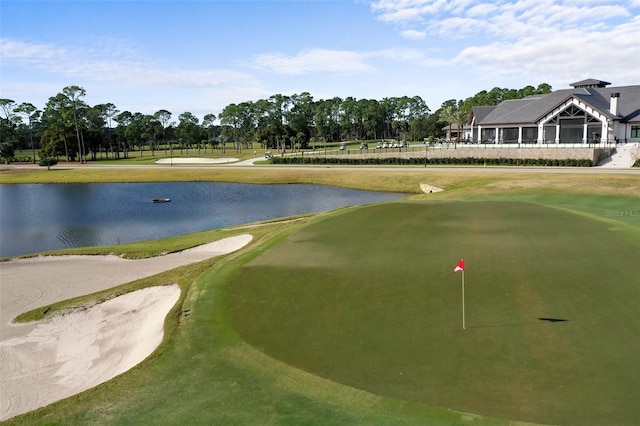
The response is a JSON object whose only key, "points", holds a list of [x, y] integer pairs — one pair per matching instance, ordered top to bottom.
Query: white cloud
{"points": [[459, 6], [407, 10], [481, 10], [387, 11], [398, 11], [547, 12], [571, 15], [457, 28], [413, 34], [555, 39], [35, 54], [563, 54], [397, 55], [312, 61], [342, 62], [126, 67], [117, 72]]}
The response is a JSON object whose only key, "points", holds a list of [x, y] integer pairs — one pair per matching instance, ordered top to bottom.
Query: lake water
{"points": [[41, 217]]}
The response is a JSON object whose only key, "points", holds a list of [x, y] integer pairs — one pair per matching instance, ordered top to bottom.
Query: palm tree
{"points": [[448, 114], [454, 115], [460, 117]]}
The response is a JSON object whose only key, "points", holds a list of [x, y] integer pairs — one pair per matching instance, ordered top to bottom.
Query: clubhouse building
{"points": [[590, 112]]}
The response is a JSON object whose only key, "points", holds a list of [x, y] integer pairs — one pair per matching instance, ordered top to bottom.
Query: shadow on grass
{"points": [[541, 320]]}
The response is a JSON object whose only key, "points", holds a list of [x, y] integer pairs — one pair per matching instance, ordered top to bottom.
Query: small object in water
{"points": [[161, 200]]}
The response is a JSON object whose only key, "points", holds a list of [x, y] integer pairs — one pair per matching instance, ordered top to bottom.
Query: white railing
{"points": [[453, 145], [514, 145]]}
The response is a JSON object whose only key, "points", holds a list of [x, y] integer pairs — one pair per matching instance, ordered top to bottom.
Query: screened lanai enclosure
{"points": [[570, 126]]}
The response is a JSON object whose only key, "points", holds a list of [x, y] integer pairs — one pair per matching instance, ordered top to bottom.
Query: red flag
{"points": [[460, 266]]}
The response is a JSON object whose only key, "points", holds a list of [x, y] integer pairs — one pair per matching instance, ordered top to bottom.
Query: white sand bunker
{"points": [[195, 160], [428, 189], [24, 286], [71, 353], [49, 360]]}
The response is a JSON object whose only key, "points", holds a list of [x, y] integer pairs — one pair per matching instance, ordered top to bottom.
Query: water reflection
{"points": [[40, 217]]}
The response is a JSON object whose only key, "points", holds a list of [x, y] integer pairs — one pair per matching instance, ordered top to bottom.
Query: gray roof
{"points": [[590, 82], [628, 102], [532, 109], [480, 112], [454, 127]]}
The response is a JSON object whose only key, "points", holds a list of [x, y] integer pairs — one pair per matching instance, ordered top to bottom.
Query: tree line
{"points": [[67, 127]]}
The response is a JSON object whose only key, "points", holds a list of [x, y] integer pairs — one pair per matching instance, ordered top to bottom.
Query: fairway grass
{"points": [[463, 183], [367, 298], [353, 316]]}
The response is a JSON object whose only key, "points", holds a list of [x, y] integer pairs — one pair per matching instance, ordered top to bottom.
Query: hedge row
{"points": [[21, 159], [433, 161], [637, 163]]}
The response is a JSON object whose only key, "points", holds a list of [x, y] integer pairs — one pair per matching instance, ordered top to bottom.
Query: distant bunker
{"points": [[428, 189]]}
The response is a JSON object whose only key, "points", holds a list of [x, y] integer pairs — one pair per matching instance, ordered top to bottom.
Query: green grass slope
{"points": [[367, 298], [204, 374]]}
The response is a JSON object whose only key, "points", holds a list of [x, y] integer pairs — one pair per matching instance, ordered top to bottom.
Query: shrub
{"points": [[21, 159], [48, 161], [417, 161]]}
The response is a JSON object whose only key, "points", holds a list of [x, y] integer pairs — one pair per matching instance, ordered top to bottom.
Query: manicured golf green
{"points": [[368, 298]]}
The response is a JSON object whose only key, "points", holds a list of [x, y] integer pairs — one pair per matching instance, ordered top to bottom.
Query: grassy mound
{"points": [[368, 298]]}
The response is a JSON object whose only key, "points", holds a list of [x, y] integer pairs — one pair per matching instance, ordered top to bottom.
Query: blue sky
{"points": [[200, 56]]}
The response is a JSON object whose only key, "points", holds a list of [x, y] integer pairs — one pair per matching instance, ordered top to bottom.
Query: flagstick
{"points": [[463, 324]]}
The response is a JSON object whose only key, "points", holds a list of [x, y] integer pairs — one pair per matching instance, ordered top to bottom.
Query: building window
{"points": [[635, 131], [529, 134], [510, 135]]}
